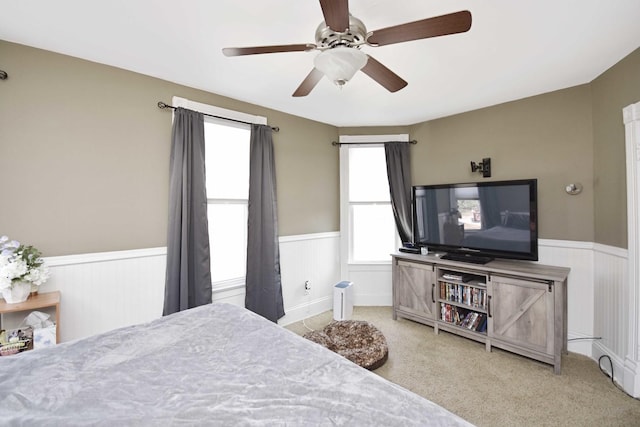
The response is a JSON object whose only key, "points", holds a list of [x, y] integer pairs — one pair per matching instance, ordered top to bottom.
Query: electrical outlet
{"points": [[307, 286]]}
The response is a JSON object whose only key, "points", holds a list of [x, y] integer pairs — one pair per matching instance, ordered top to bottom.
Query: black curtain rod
{"points": [[162, 106], [335, 143]]}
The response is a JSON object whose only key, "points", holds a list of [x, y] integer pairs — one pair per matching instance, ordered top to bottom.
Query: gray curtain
{"points": [[399, 175], [188, 275], [264, 285]]}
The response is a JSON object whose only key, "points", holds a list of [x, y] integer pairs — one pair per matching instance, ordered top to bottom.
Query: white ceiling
{"points": [[514, 49]]}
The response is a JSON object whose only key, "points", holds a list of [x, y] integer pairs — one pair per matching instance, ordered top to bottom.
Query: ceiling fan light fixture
{"points": [[340, 64]]}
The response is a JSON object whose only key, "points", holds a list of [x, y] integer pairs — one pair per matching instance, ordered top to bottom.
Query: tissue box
{"points": [[44, 337]]}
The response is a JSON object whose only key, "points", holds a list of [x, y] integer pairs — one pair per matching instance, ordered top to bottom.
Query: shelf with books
{"points": [[463, 288], [469, 295], [462, 300], [464, 318]]}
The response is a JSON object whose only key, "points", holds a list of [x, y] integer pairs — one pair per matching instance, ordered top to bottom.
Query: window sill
{"points": [[387, 262], [227, 285]]}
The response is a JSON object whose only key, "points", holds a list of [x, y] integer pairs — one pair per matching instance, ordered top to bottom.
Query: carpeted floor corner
{"points": [[494, 388]]}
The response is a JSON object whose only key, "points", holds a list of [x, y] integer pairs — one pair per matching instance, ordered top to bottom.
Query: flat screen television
{"points": [[477, 222]]}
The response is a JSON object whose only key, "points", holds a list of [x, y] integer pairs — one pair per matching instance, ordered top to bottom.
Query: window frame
{"points": [[346, 226]]}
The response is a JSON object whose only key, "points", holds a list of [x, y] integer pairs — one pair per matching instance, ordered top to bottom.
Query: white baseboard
{"points": [[373, 299], [307, 309], [580, 343], [617, 364], [631, 381]]}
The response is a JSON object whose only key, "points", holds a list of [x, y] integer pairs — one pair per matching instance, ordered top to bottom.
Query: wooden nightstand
{"points": [[41, 300]]}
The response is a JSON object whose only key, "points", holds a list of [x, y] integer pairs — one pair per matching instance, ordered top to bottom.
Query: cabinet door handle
{"points": [[433, 292], [489, 306]]}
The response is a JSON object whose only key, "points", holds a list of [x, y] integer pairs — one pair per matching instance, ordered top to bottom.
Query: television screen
{"points": [[478, 220]]}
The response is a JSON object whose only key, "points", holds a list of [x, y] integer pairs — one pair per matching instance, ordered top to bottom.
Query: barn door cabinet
{"points": [[414, 295], [517, 306], [523, 318]]}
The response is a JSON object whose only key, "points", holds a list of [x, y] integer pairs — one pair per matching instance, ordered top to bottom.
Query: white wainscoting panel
{"points": [[312, 257], [579, 257], [372, 284], [103, 291], [231, 295], [610, 311]]}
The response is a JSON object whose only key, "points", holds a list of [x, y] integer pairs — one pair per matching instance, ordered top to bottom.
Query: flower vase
{"points": [[18, 292]]}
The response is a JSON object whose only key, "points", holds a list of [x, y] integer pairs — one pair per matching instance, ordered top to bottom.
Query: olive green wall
{"points": [[615, 89], [567, 136], [547, 137], [84, 156]]}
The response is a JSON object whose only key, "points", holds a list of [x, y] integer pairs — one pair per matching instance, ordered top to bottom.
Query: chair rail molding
{"points": [[631, 117]]}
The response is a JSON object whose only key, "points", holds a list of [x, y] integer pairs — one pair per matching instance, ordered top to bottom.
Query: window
{"points": [[227, 169], [467, 203], [370, 226]]}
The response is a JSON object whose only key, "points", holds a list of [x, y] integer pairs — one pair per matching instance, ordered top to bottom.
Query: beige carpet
{"points": [[496, 388]]}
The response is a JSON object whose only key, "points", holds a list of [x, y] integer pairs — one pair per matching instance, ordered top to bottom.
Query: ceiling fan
{"points": [[340, 36]]}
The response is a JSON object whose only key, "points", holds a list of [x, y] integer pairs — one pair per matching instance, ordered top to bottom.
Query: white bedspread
{"points": [[212, 365]]}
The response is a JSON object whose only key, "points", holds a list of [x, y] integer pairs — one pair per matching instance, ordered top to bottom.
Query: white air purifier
{"points": [[343, 301]]}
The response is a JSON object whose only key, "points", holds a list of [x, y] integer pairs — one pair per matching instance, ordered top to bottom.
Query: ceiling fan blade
{"points": [[336, 14], [453, 23], [256, 50], [381, 74], [308, 83]]}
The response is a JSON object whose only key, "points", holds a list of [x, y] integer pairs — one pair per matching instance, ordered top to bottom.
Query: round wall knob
{"points": [[573, 189]]}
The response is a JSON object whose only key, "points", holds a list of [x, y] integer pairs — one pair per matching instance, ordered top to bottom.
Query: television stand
{"points": [[474, 259], [519, 307]]}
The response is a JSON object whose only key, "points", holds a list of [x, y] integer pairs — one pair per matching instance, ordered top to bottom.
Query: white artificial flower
{"points": [[20, 263], [16, 269], [32, 276], [38, 276]]}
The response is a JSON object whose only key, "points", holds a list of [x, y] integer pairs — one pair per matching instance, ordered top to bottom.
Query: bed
{"points": [[512, 234], [499, 238], [217, 364]]}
